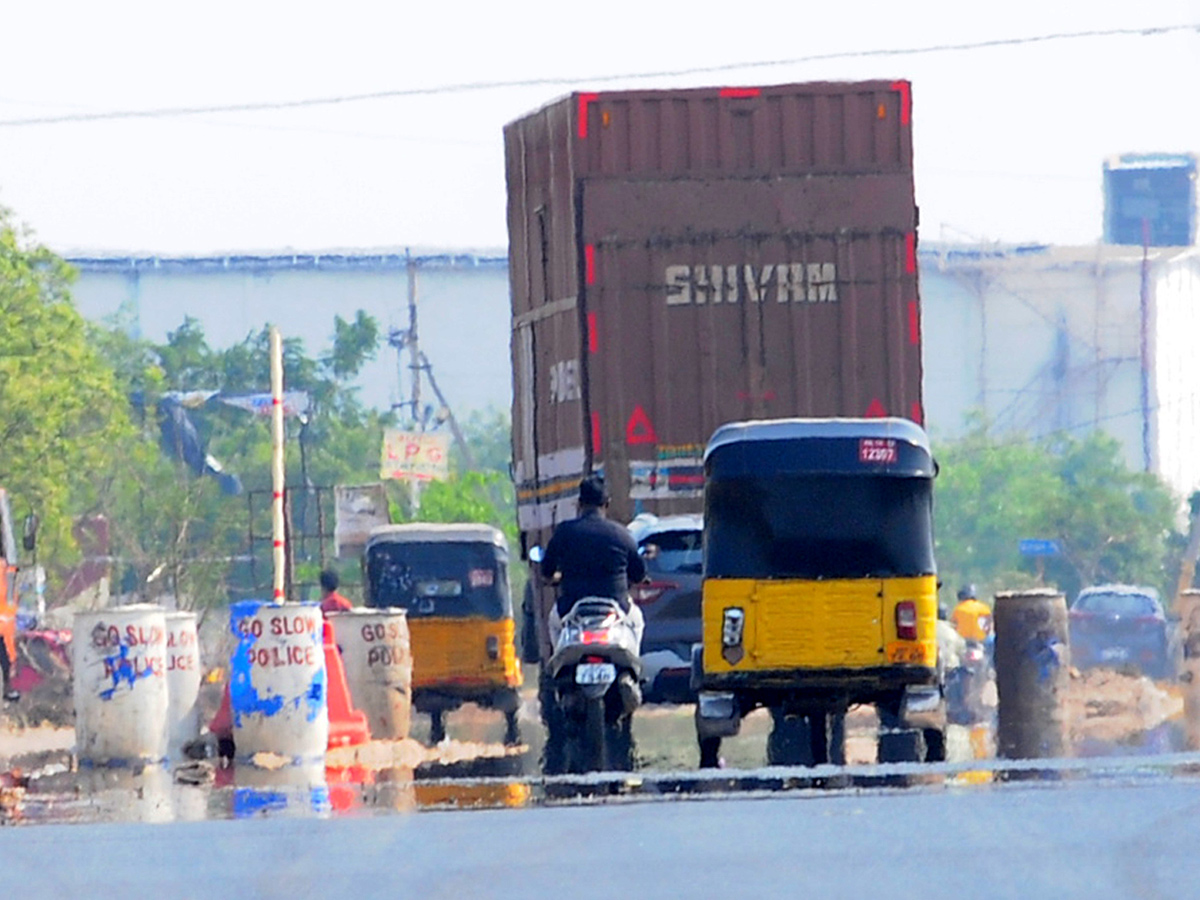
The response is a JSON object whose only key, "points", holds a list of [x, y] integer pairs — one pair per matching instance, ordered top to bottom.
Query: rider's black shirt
{"points": [[597, 558]]}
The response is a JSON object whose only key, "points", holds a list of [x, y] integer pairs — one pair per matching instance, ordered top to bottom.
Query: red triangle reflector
{"points": [[638, 429]]}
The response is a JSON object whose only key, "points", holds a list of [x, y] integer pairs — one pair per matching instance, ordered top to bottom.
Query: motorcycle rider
{"points": [[595, 557], [972, 618], [973, 621]]}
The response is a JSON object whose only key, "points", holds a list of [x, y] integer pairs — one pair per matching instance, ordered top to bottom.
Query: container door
{"points": [[715, 301]]}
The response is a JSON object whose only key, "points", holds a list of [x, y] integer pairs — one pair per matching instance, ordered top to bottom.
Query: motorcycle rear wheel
{"points": [[594, 735]]}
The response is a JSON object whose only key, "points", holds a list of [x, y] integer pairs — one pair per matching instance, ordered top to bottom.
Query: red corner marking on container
{"points": [[904, 89], [740, 93], [584, 100], [910, 252], [589, 263], [914, 323], [593, 336], [876, 410], [917, 414], [638, 429], [597, 443]]}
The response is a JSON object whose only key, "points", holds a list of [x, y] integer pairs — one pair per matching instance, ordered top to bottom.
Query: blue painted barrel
{"points": [[120, 685], [278, 687]]}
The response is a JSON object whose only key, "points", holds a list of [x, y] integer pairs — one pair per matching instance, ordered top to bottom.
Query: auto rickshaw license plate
{"points": [[911, 653], [595, 673]]}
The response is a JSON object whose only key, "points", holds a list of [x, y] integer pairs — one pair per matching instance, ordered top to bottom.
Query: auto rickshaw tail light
{"points": [[906, 620], [493, 647]]}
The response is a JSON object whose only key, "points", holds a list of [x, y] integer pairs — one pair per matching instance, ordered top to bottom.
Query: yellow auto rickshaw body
{"points": [[452, 580]]}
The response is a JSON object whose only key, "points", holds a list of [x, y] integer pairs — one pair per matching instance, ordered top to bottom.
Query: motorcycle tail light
{"points": [[906, 620], [595, 637]]}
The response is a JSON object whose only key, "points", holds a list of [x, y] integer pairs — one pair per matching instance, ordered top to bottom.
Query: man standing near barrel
{"points": [[331, 600]]}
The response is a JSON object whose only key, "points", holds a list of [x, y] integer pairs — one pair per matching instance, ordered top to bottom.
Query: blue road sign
{"points": [[1039, 547]]}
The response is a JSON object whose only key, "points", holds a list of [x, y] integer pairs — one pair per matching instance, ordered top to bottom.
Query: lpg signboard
{"points": [[415, 456]]}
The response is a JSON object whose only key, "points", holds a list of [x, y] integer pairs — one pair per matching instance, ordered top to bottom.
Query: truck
{"points": [[680, 259]]}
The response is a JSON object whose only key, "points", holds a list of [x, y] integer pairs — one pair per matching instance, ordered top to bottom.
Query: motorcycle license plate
{"points": [[1114, 654], [595, 673]]}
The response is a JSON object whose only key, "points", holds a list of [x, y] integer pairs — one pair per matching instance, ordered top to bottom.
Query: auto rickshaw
{"points": [[452, 580], [820, 589]]}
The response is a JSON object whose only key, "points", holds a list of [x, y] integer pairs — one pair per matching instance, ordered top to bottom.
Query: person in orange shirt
{"points": [[331, 600], [971, 617]]}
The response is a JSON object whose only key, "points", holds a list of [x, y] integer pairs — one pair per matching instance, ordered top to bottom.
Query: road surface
{"points": [[1094, 833]]}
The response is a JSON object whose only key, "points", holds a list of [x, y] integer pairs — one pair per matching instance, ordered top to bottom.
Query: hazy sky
{"points": [[1009, 139]]}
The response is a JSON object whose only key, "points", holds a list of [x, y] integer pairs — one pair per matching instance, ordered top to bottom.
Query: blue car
{"points": [[1121, 626]]}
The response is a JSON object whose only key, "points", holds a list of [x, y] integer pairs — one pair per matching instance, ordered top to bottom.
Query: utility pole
{"points": [[1144, 309], [414, 365]]}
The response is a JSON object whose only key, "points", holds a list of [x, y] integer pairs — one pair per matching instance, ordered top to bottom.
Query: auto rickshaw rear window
{"points": [[819, 526], [439, 578]]}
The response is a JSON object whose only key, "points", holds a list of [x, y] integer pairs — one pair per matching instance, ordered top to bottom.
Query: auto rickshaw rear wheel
{"points": [[437, 726], [512, 730], [789, 743], [901, 745], [935, 745], [710, 752]]}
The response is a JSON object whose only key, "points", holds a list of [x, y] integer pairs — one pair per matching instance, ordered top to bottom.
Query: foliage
{"points": [[63, 420], [489, 436], [168, 521], [1112, 524]]}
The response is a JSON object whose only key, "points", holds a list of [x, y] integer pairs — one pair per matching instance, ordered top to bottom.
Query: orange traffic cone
{"points": [[347, 725]]}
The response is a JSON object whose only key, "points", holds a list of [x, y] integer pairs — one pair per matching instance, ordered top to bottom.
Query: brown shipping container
{"points": [[681, 259]]}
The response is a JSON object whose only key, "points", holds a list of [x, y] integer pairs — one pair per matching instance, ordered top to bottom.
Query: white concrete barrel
{"points": [[378, 662], [183, 681], [120, 684], [278, 686]]}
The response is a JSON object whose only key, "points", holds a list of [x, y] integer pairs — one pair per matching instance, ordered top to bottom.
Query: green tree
{"points": [[63, 420], [175, 523], [1110, 523]]}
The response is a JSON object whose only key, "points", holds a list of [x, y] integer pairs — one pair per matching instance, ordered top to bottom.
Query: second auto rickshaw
{"points": [[453, 582], [820, 590]]}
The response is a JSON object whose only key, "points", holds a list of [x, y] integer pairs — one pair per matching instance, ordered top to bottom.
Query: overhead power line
{"points": [[469, 87]]}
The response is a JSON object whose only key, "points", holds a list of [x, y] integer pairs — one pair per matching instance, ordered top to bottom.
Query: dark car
{"points": [[673, 549], [1123, 627]]}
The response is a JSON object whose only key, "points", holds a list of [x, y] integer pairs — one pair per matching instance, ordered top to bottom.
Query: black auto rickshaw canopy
{"points": [[819, 499], [430, 569]]}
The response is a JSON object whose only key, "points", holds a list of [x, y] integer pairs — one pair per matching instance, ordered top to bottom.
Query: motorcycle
{"points": [[596, 670], [965, 685]]}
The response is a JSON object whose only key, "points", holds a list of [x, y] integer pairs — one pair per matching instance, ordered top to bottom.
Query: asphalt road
{"points": [[1110, 833]]}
